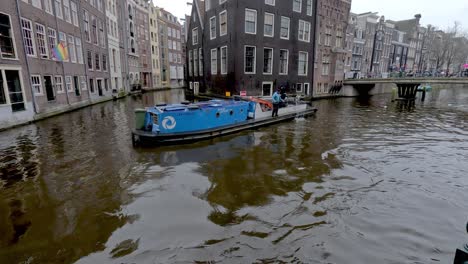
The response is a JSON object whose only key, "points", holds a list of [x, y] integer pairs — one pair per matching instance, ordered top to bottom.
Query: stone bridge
{"points": [[406, 86]]}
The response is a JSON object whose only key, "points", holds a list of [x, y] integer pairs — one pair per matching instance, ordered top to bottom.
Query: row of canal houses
{"points": [[114, 47]]}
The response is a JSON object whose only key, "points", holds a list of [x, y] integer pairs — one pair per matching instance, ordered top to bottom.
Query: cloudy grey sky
{"points": [[435, 12]]}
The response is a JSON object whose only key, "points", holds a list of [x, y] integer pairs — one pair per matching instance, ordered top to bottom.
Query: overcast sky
{"points": [[435, 12]]}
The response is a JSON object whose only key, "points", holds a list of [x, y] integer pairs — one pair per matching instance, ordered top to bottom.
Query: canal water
{"points": [[364, 181]]}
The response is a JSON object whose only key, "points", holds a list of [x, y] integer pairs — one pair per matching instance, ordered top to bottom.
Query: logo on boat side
{"points": [[169, 122]]}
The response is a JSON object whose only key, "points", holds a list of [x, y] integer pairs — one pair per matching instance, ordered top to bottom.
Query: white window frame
{"points": [[270, 2], [36, 3], [311, 4], [66, 6], [300, 6], [48, 7], [58, 7], [74, 13], [255, 21], [213, 23], [220, 23], [304, 23], [272, 25], [281, 27], [195, 30], [12, 35], [32, 39], [52, 41], [42, 43], [65, 44], [71, 48], [79, 50], [254, 60], [195, 61], [200, 61], [287, 62], [190, 63], [306, 63], [271, 64], [214, 69], [224, 70], [83, 83], [56, 84], [39, 85], [297, 87], [271, 88], [69, 89], [307, 90]]}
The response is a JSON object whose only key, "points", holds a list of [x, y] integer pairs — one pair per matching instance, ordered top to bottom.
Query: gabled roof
{"points": [[199, 6]]}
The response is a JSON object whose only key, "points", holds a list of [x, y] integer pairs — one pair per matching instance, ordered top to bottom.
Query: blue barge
{"points": [[183, 123]]}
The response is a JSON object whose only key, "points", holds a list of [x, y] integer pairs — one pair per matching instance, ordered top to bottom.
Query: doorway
{"points": [[99, 87], [49, 88], [267, 88]]}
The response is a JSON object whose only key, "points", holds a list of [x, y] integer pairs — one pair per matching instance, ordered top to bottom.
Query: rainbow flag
{"points": [[60, 52]]}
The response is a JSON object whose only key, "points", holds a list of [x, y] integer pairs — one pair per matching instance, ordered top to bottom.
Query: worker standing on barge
{"points": [[276, 100]]}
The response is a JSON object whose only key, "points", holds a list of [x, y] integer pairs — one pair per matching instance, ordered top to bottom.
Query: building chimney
{"points": [[418, 17]]}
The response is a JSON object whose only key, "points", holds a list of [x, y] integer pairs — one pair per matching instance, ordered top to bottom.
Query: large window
{"points": [[270, 2], [37, 3], [48, 6], [297, 6], [309, 7], [58, 9], [66, 10], [74, 13], [250, 21], [285, 22], [223, 23], [269, 25], [86, 26], [213, 27], [94, 30], [304, 31], [195, 36], [28, 37], [52, 37], [102, 38], [41, 41], [63, 41], [7, 43], [71, 49], [79, 51], [249, 59], [284, 59], [90, 60], [224, 60], [214, 61], [267, 61], [97, 62], [104, 62], [195, 62], [190, 63], [302, 63], [68, 83], [83, 83], [10, 84], [36, 84], [59, 84]]}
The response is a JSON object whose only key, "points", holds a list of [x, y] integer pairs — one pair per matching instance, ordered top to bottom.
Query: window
{"points": [[270, 2], [37, 3], [99, 5], [48, 6], [297, 6], [309, 7], [58, 9], [66, 10], [74, 12], [250, 21], [285, 22], [223, 23], [86, 26], [213, 27], [269, 27], [94, 30], [304, 31], [195, 36], [28, 37], [52, 37], [63, 40], [102, 40], [41, 41], [7, 47], [71, 49], [79, 51], [224, 59], [249, 59], [284, 59], [90, 60], [200, 61], [214, 61], [267, 61], [303, 61], [104, 62], [195, 62], [97, 63], [190, 63], [114, 64], [325, 69], [68, 83], [83, 83], [36, 84], [58, 84], [299, 88], [14, 89], [267, 89]]}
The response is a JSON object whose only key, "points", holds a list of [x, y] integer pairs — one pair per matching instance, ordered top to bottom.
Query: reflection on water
{"points": [[365, 181]]}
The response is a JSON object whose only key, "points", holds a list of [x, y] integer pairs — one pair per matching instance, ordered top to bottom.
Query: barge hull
{"points": [[142, 138]]}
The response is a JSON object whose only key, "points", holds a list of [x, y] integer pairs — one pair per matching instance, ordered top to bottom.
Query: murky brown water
{"points": [[365, 181]]}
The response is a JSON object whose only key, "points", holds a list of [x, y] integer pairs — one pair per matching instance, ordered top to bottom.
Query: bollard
{"points": [[394, 93], [423, 97]]}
